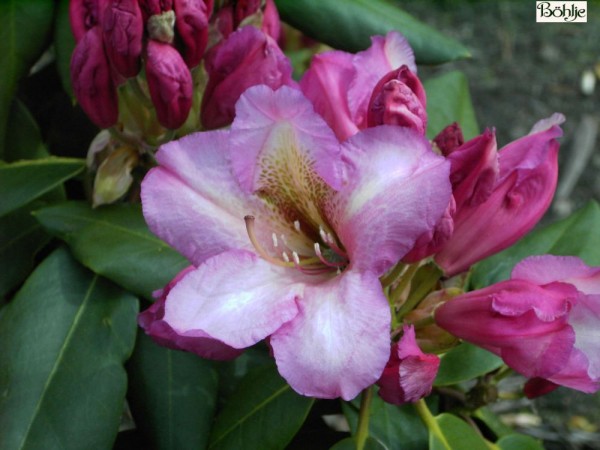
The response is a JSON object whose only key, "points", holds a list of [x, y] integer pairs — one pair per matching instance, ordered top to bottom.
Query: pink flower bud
{"points": [[154, 7], [245, 8], [84, 15], [223, 21], [271, 24], [192, 26], [123, 31], [247, 58], [92, 81], [170, 84], [399, 99], [449, 138], [519, 196], [542, 322], [161, 332], [409, 374]]}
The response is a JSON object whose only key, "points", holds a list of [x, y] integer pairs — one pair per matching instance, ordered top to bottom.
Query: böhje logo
{"points": [[561, 11]]}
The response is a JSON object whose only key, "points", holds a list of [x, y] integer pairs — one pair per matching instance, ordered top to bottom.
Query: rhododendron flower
{"points": [[341, 84], [494, 211], [289, 232], [543, 322], [409, 374]]}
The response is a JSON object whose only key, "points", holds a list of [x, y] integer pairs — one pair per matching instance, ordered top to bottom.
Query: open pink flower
{"points": [[289, 233], [543, 322], [409, 374]]}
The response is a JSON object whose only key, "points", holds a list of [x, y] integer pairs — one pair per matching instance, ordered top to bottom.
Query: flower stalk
{"points": [[362, 432]]}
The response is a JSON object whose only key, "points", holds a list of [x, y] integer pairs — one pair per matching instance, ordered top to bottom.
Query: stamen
{"points": [[297, 225], [274, 236], [261, 251], [285, 257], [296, 258], [323, 260]]}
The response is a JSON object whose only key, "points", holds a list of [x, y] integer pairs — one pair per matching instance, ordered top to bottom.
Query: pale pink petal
{"points": [[384, 55], [326, 85], [545, 124], [277, 134], [398, 189], [192, 201], [545, 269], [235, 297], [585, 320], [339, 342], [577, 372]]}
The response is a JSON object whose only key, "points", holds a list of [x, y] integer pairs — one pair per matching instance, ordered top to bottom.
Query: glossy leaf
{"points": [[348, 25], [24, 35], [64, 44], [448, 101], [23, 137], [23, 181], [577, 235], [21, 237], [115, 242], [65, 337], [465, 362], [172, 396], [263, 414], [493, 422], [396, 427], [458, 435], [519, 442], [350, 444]]}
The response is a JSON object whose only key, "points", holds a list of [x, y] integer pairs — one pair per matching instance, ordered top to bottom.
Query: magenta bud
{"points": [[154, 7], [245, 8], [84, 15], [223, 21], [271, 23], [192, 26], [123, 31], [247, 58], [92, 81], [170, 84], [399, 99], [449, 138], [409, 374]]}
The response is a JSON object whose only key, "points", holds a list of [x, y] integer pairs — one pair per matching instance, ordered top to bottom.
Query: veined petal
{"points": [[384, 55], [326, 84], [398, 189], [192, 200], [235, 297], [584, 319], [339, 342]]}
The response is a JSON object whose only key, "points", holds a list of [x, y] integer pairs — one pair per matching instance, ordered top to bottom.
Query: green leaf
{"points": [[348, 25], [24, 34], [64, 44], [448, 100], [23, 137], [24, 181], [577, 235], [21, 237], [115, 242], [65, 337], [465, 362], [172, 395], [263, 414], [493, 422], [396, 427], [457, 434], [519, 442], [350, 444]]}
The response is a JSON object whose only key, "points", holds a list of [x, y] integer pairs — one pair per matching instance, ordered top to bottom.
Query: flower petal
{"points": [[398, 189], [192, 201], [235, 297], [584, 319], [339, 342]]}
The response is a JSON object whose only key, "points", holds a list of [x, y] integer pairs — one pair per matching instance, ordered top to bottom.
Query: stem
{"points": [[389, 279], [405, 280], [431, 423], [362, 433]]}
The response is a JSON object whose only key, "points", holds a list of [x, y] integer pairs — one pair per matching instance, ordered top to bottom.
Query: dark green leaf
{"points": [[348, 25], [24, 34], [64, 44], [448, 100], [23, 137], [24, 181], [577, 235], [21, 237], [115, 242], [65, 337], [465, 362], [172, 395], [263, 414], [493, 422], [397, 427], [457, 434], [519, 442], [350, 444]]}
